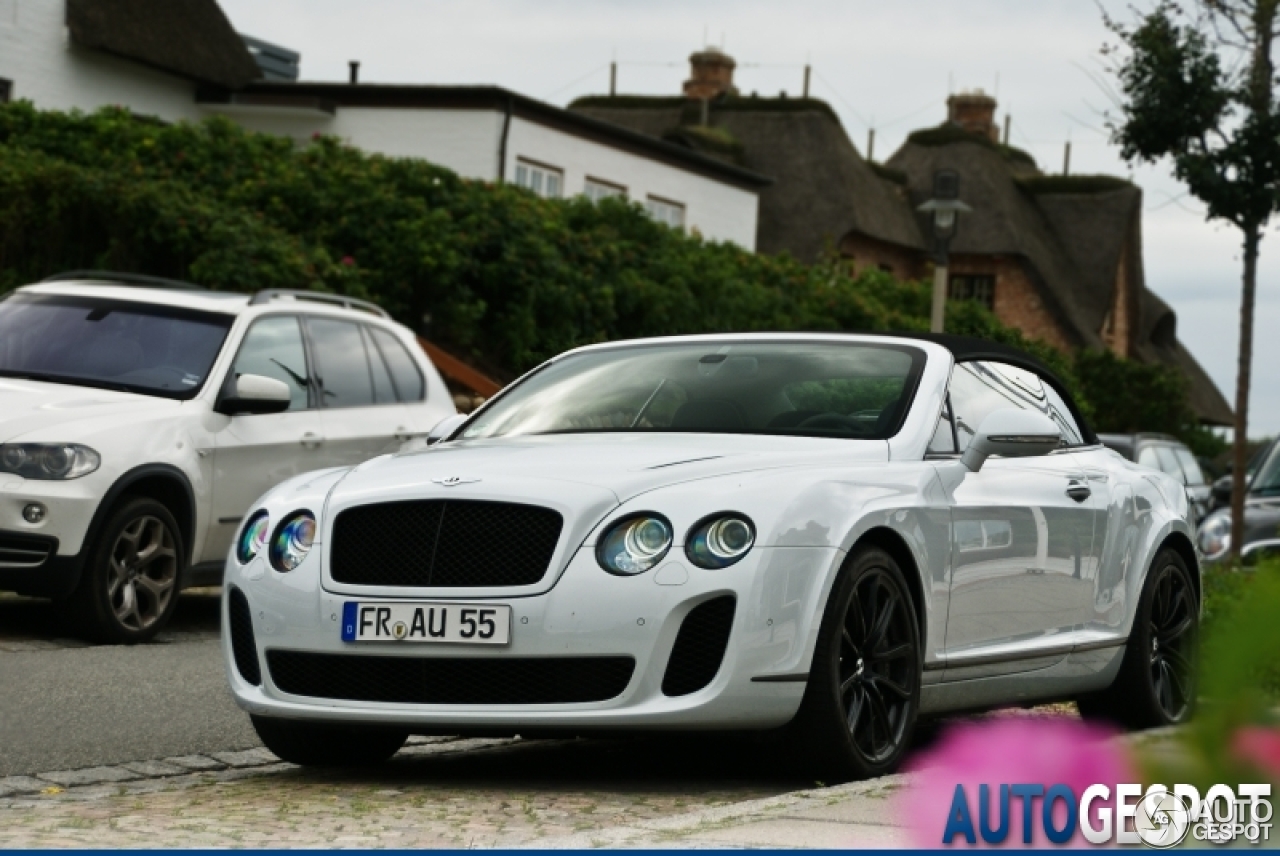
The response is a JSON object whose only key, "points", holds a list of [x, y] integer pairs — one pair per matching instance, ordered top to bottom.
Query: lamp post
{"points": [[945, 209]]}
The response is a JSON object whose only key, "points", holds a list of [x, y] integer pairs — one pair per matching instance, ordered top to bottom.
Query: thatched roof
{"points": [[189, 38], [823, 188]]}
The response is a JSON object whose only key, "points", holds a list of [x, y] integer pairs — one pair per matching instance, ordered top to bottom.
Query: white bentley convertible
{"points": [[832, 533]]}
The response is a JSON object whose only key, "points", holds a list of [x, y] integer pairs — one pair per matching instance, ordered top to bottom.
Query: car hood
{"points": [[30, 409], [626, 465]]}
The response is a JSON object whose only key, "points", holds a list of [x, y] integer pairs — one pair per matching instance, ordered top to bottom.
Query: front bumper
{"points": [[70, 507], [779, 593]]}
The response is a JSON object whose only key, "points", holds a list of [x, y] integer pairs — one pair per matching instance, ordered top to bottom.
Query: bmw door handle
{"points": [[311, 440], [1079, 492]]}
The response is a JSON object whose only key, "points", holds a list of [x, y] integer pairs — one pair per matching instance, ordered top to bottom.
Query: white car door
{"points": [[362, 413], [254, 453], [1022, 528]]}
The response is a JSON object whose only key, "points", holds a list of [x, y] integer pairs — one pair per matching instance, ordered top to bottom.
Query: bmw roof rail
{"points": [[134, 279], [271, 294]]}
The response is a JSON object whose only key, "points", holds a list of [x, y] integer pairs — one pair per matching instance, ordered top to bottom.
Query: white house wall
{"points": [[37, 54], [465, 141], [719, 211]]}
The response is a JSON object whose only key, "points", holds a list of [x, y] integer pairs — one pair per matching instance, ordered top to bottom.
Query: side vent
{"points": [[700, 647], [243, 648]]}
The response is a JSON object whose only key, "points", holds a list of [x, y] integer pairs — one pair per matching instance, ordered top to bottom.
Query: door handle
{"points": [[311, 440], [1078, 492]]}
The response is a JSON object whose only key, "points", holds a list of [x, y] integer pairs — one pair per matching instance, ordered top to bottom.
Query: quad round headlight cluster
{"points": [[253, 537], [720, 540], [292, 541], [639, 542]]}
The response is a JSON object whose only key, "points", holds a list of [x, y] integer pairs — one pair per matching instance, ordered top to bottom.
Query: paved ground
{"points": [[78, 706]]}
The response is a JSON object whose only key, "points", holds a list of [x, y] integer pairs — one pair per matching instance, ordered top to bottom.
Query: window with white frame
{"points": [[541, 179], [595, 190], [666, 211]]}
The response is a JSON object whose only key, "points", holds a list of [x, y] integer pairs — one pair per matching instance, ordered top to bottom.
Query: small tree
{"points": [[1198, 89]]}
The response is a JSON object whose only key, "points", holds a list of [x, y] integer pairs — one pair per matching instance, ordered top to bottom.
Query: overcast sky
{"points": [[887, 65]]}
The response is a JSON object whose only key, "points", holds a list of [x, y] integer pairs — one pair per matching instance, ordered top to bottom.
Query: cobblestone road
{"points": [[435, 793]]}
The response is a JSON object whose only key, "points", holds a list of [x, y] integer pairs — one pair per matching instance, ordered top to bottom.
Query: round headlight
{"points": [[12, 458], [1215, 535], [253, 537], [720, 540], [292, 541], [635, 544]]}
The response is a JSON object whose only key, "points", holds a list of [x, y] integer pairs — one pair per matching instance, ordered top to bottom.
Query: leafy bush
{"points": [[505, 278]]}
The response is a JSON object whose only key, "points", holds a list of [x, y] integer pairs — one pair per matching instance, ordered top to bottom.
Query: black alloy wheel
{"points": [[130, 583], [1157, 681], [863, 694]]}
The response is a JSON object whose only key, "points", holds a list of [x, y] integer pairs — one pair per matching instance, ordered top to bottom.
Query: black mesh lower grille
{"points": [[448, 543], [25, 551], [243, 648], [699, 648], [444, 680]]}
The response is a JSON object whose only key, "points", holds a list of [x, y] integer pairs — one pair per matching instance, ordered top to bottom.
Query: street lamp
{"points": [[945, 208]]}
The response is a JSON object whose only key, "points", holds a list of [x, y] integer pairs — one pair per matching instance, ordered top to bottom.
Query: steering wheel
{"points": [[833, 421]]}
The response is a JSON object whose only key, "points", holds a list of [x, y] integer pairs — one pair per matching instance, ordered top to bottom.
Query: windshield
{"points": [[134, 347], [855, 391], [1267, 481]]}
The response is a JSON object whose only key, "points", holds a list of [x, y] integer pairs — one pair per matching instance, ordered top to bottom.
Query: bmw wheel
{"points": [[129, 587], [1157, 681], [863, 695], [325, 745]]}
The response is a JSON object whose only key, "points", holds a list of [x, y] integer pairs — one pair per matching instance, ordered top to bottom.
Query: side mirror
{"points": [[252, 394], [445, 427], [1012, 433]]}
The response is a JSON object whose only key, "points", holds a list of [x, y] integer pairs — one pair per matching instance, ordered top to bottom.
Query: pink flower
{"points": [[348, 261], [1258, 746], [1009, 751]]}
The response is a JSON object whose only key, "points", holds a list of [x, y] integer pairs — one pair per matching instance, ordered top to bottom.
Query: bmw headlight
{"points": [[48, 461], [1215, 535], [253, 537], [720, 540], [292, 541], [634, 544]]}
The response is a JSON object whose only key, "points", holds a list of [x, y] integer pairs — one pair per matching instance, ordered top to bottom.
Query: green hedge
{"points": [[503, 277]]}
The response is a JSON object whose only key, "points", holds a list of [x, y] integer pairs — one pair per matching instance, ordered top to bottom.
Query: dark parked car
{"points": [[1169, 455], [1261, 511]]}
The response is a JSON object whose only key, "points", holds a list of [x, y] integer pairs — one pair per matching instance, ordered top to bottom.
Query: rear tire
{"points": [[129, 588], [1157, 681], [863, 694], [311, 744]]}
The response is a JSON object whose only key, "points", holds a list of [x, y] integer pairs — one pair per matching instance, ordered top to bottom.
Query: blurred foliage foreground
{"points": [[505, 278]]}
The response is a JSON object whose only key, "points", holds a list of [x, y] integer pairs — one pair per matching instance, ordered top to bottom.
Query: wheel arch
{"points": [[165, 484], [1181, 544], [896, 546]]}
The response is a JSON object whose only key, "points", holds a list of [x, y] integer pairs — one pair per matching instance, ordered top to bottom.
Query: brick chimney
{"points": [[712, 74], [975, 112]]}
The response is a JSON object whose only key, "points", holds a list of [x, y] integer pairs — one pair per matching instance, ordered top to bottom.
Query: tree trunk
{"points": [[1243, 370]]}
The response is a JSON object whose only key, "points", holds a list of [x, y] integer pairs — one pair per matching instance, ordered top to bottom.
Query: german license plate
{"points": [[408, 621]]}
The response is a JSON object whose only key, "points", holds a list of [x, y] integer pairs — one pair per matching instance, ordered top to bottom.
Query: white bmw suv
{"points": [[140, 418]]}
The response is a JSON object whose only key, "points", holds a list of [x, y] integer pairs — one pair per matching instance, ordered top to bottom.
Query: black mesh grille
{"points": [[448, 543], [242, 645], [699, 648], [443, 680]]}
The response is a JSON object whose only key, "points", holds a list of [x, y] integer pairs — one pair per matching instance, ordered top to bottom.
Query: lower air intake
{"points": [[700, 647], [243, 648], [445, 680]]}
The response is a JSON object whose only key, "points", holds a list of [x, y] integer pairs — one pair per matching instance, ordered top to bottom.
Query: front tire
{"points": [[129, 588], [1157, 681], [863, 694], [312, 744]]}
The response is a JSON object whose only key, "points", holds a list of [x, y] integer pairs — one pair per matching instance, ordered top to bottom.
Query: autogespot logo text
{"points": [[1157, 817]]}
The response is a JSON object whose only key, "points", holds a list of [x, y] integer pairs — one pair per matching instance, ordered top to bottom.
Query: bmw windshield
{"points": [[109, 344], [856, 390]]}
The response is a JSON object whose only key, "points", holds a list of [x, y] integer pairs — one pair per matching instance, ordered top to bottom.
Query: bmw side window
{"points": [[273, 348], [341, 363], [404, 371], [384, 391]]}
